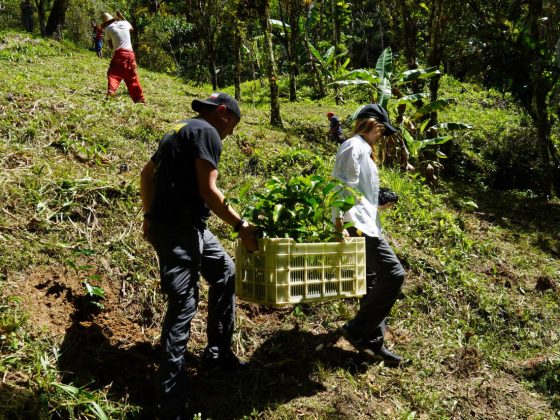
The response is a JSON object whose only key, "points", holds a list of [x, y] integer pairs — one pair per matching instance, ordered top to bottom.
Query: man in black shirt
{"points": [[178, 190]]}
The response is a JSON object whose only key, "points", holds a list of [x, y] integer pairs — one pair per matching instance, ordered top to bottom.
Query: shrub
{"points": [[299, 208]]}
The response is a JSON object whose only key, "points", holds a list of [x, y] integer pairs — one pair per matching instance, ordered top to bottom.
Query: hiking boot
{"points": [[357, 343], [372, 351], [384, 355], [226, 362]]}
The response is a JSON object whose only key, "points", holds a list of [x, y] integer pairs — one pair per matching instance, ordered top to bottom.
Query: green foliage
{"points": [[167, 45], [20, 47], [330, 63], [417, 131], [291, 161], [299, 207], [470, 274], [94, 294], [11, 319], [546, 379], [80, 400]]}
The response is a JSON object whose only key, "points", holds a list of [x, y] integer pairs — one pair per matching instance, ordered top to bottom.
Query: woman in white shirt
{"points": [[356, 168]]}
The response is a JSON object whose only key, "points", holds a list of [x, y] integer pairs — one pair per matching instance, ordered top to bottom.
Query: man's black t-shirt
{"points": [[177, 201]]}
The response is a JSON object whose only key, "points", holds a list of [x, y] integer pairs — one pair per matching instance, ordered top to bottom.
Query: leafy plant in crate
{"points": [[299, 208]]}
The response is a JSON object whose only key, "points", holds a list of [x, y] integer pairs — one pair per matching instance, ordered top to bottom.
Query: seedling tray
{"points": [[283, 272]]}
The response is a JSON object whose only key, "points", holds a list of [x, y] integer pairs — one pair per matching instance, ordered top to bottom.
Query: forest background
{"points": [[511, 46], [473, 86]]}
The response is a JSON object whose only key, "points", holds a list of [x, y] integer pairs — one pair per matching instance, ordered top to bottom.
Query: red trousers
{"points": [[123, 66]]}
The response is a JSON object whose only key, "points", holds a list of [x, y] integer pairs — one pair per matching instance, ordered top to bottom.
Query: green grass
{"points": [[481, 336]]}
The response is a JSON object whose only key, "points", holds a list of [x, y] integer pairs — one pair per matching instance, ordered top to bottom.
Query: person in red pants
{"points": [[123, 64]]}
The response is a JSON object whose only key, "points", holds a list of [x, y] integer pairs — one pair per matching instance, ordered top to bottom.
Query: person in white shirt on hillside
{"points": [[123, 64], [384, 274]]}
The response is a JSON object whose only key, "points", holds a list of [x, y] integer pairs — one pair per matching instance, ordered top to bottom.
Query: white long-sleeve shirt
{"points": [[356, 169]]}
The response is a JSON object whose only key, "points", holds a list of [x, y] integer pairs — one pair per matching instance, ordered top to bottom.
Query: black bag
{"points": [[387, 196]]}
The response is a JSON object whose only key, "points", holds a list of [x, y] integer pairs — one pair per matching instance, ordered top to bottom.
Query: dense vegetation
{"points": [[511, 46], [80, 309]]}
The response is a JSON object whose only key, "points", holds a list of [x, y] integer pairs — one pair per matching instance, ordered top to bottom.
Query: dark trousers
{"points": [[183, 256], [384, 278]]}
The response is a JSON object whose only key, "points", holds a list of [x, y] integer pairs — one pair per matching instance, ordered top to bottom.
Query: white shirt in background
{"points": [[119, 34], [356, 169]]}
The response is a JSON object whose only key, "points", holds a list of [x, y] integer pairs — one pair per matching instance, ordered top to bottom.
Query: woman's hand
{"points": [[386, 206], [341, 232], [341, 236]]}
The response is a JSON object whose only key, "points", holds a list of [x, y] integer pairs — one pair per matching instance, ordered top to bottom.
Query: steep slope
{"points": [[479, 320]]}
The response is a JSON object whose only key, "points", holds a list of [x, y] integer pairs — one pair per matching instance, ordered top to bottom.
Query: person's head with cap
{"points": [[106, 16], [220, 110], [330, 114], [372, 121]]}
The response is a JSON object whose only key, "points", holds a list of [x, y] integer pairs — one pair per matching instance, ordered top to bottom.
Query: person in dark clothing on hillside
{"points": [[335, 129], [178, 191]]}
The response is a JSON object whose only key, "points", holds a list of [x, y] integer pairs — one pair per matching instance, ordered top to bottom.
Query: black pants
{"points": [[184, 255], [384, 278]]}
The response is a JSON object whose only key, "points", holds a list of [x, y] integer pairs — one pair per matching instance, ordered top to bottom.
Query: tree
{"points": [[263, 10], [293, 11], [41, 15], [57, 17], [207, 17], [518, 45]]}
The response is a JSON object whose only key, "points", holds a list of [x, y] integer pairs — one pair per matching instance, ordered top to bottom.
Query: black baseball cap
{"points": [[215, 100], [380, 114]]}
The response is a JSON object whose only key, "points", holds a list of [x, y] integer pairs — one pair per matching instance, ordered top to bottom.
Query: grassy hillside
{"points": [[479, 321]]}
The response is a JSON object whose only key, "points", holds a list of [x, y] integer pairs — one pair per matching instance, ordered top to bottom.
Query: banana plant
{"points": [[330, 67], [416, 136]]}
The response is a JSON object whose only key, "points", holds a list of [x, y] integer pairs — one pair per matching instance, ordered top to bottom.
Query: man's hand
{"points": [[145, 227], [248, 235]]}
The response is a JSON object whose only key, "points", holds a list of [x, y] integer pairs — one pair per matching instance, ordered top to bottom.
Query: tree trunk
{"points": [[27, 15], [42, 17], [57, 17], [335, 25], [410, 30], [293, 44], [436, 50], [237, 53], [292, 55], [212, 70], [317, 76], [541, 85], [275, 118]]}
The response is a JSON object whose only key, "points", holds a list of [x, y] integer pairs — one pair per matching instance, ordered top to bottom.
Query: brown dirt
{"points": [[55, 302], [109, 346], [115, 349]]}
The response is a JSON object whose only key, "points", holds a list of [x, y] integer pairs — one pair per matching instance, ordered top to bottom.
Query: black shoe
{"points": [[357, 343], [372, 351], [384, 355], [226, 362]]}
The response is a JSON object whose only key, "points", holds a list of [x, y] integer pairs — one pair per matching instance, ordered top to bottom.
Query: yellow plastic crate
{"points": [[284, 272]]}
